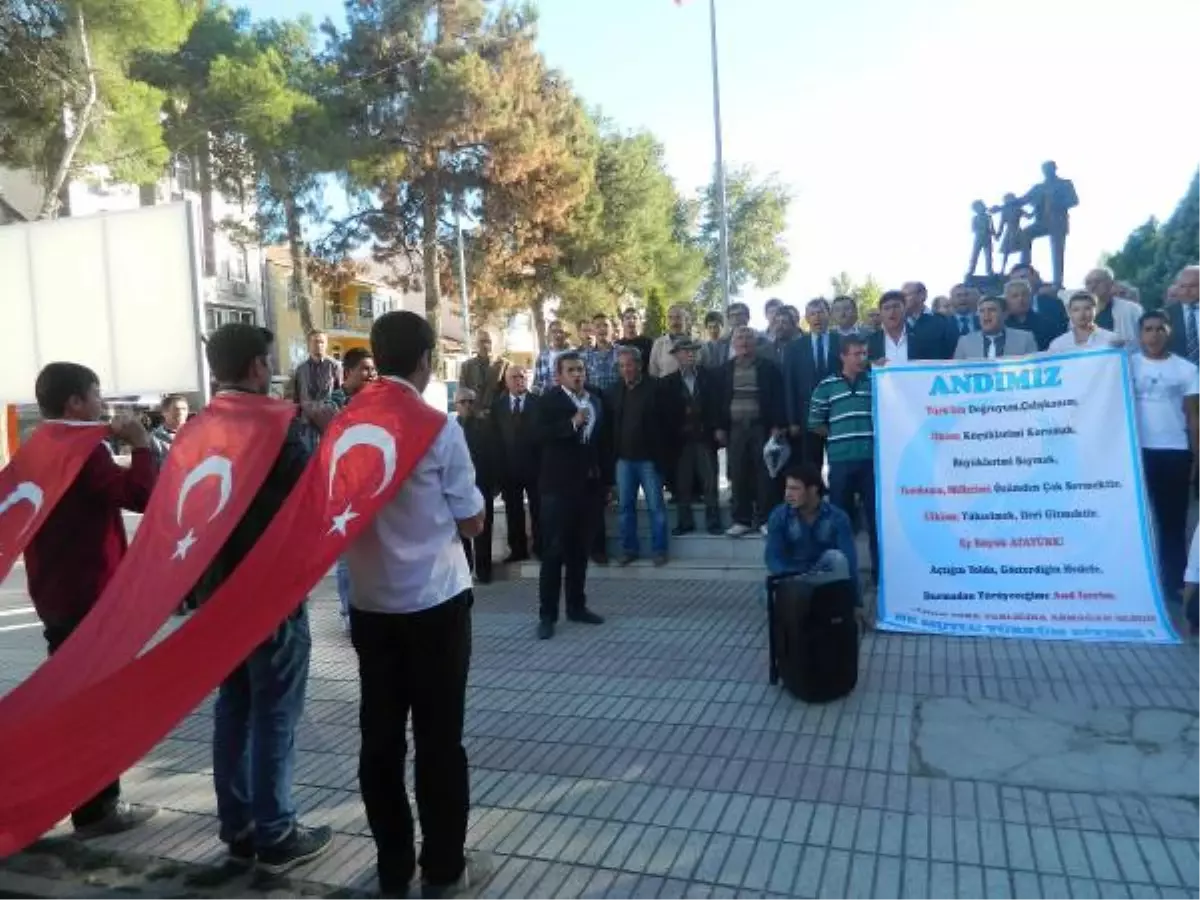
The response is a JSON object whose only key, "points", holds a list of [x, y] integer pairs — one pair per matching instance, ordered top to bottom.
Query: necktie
{"points": [[964, 325], [1193, 333], [989, 347], [820, 354]]}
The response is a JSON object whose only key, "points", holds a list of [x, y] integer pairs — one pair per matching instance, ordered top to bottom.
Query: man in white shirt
{"points": [[889, 345], [662, 356], [1166, 390], [410, 623]]}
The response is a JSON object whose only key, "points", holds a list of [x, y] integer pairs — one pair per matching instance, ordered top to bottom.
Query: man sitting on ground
{"points": [[808, 535]]}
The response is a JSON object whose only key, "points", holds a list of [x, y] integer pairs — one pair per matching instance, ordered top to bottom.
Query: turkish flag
{"points": [[216, 465], [33, 483], [59, 757]]}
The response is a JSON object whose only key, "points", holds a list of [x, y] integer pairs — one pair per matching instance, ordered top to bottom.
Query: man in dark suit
{"points": [[1045, 302], [964, 305], [1182, 312], [931, 336], [895, 342], [813, 357], [689, 402], [751, 411], [514, 418], [481, 441], [575, 476]]}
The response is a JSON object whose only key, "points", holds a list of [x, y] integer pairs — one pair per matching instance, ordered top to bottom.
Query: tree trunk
{"points": [[83, 118], [207, 228], [430, 273], [300, 282], [538, 308]]}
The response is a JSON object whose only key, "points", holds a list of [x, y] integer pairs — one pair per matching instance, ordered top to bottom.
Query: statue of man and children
{"points": [[1048, 204]]}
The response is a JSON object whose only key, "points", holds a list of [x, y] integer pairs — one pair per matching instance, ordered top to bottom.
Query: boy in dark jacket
{"points": [[76, 552], [258, 706]]}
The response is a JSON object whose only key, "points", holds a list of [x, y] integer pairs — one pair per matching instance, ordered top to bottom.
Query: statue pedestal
{"points": [[987, 284]]}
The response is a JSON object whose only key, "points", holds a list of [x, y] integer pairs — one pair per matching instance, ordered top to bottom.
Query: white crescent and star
{"points": [[363, 434], [215, 466], [24, 492]]}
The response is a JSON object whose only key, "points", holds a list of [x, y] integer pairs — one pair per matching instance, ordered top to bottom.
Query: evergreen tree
{"points": [[67, 95], [756, 213], [1154, 253]]}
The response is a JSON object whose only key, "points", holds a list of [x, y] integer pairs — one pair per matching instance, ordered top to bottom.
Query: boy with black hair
{"points": [[77, 550], [410, 623], [259, 704]]}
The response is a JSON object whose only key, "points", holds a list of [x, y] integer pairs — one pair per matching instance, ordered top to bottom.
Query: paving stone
{"points": [[650, 758]]}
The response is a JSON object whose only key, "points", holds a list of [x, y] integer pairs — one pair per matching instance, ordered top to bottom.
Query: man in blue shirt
{"points": [[806, 534]]}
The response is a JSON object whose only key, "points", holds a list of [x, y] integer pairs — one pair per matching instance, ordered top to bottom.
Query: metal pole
{"points": [[722, 218], [462, 279]]}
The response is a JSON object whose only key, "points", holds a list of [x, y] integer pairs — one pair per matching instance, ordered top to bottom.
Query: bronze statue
{"points": [[1052, 202], [981, 225], [1012, 235]]}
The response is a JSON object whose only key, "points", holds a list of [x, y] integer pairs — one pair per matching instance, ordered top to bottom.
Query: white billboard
{"points": [[117, 292]]}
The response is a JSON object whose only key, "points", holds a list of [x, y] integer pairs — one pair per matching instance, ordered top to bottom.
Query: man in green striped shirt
{"points": [[840, 410]]}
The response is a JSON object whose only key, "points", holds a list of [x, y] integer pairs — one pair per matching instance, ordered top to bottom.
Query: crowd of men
{"points": [[665, 406]]}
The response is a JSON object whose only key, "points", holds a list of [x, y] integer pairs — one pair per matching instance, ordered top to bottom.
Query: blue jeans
{"points": [[631, 475], [343, 585], [254, 736]]}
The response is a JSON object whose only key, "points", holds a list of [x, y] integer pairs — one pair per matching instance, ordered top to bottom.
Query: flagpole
{"points": [[722, 218]]}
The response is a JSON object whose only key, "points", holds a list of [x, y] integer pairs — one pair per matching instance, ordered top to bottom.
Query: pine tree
{"points": [[67, 96]]}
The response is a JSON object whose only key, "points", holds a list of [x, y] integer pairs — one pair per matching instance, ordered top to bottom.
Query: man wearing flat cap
{"points": [[690, 412]]}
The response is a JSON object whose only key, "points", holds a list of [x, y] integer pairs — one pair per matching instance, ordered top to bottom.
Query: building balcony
{"points": [[351, 321]]}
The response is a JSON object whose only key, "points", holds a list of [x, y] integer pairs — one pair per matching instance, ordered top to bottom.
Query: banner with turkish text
{"points": [[214, 468], [39, 474], [1011, 502], [59, 757]]}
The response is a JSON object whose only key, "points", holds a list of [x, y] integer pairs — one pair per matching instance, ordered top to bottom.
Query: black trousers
{"points": [[695, 464], [1167, 484], [752, 486], [568, 519], [519, 541], [479, 548], [418, 663], [103, 803]]}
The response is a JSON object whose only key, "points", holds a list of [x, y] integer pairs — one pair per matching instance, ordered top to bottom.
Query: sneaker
{"points": [[737, 529], [681, 530], [586, 617], [545, 630], [122, 817], [301, 845], [241, 848], [475, 873]]}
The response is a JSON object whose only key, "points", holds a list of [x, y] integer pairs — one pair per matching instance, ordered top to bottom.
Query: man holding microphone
{"points": [[575, 478]]}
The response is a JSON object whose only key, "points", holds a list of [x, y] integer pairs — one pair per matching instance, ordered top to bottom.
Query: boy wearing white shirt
{"points": [[1084, 333], [1166, 392], [410, 623]]}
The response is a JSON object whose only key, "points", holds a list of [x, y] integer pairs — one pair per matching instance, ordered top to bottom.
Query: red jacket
{"points": [[78, 548]]}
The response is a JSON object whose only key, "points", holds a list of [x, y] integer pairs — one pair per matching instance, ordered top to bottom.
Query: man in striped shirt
{"points": [[841, 411]]}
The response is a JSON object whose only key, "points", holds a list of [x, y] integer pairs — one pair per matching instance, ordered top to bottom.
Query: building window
{"points": [[366, 304], [216, 316]]}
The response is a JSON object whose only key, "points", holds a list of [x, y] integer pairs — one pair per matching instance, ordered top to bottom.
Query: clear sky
{"points": [[887, 118]]}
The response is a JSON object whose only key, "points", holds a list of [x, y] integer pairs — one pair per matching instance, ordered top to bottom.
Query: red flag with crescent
{"points": [[215, 466], [33, 483], [59, 757]]}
